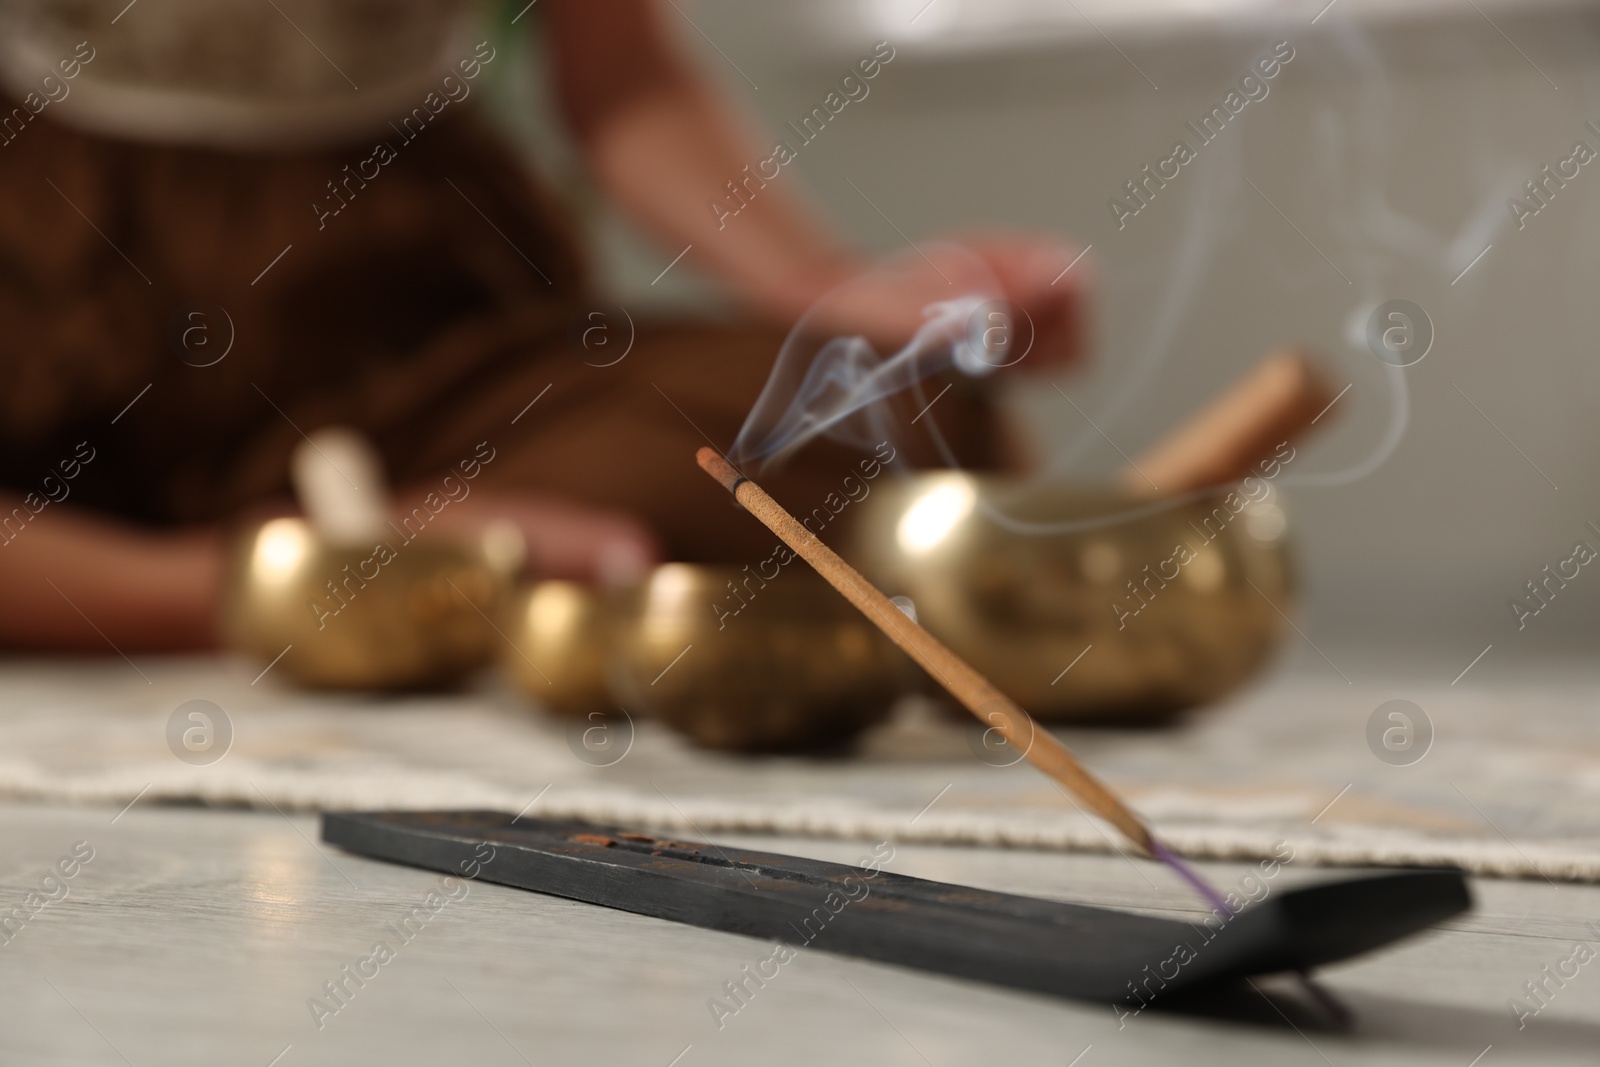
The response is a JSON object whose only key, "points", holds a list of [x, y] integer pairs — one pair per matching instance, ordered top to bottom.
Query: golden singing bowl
{"points": [[1159, 604], [388, 616], [561, 638], [764, 658]]}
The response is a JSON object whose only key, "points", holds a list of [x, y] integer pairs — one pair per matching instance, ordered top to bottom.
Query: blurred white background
{"points": [[1388, 148]]}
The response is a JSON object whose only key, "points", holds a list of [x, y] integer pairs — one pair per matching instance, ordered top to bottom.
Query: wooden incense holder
{"points": [[1272, 405], [992, 707], [1063, 949]]}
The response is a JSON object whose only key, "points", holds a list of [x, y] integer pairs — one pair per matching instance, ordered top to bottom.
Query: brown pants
{"points": [[441, 299]]}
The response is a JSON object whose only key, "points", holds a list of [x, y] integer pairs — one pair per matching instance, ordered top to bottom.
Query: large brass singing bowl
{"points": [[351, 616], [1128, 621], [741, 662]]}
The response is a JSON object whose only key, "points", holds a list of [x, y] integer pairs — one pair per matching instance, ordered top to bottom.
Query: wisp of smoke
{"points": [[831, 378], [835, 384]]}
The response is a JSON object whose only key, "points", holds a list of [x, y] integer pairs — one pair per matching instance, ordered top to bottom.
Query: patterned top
{"points": [[234, 73]]}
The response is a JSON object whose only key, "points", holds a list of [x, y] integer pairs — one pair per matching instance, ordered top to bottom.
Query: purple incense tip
{"points": [[1189, 874], [1340, 1014]]}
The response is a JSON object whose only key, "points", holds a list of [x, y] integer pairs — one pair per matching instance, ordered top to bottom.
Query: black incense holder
{"points": [[1069, 950]]}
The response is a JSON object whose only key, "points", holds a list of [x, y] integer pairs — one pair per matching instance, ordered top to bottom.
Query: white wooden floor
{"points": [[197, 937]]}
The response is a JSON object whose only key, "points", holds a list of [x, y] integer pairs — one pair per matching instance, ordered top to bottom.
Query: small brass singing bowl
{"points": [[1158, 604], [390, 615], [561, 638], [752, 662]]}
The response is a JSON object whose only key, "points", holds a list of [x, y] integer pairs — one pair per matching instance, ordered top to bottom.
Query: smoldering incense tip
{"points": [[712, 462]]}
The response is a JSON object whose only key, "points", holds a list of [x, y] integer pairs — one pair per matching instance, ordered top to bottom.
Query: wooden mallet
{"points": [[1277, 402]]}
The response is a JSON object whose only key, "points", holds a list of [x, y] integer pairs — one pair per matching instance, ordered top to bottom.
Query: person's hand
{"points": [[1033, 275], [888, 302], [563, 539]]}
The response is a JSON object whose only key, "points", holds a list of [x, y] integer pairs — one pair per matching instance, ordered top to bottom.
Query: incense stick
{"points": [[972, 689]]}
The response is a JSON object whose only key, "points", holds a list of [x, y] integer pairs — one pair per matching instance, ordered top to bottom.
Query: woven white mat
{"points": [[1510, 785]]}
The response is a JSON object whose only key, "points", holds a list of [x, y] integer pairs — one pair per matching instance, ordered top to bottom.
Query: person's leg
{"points": [[428, 313], [190, 314], [623, 437]]}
